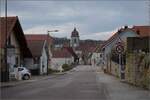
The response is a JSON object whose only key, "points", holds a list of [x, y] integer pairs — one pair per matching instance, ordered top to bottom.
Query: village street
{"points": [[81, 83]]}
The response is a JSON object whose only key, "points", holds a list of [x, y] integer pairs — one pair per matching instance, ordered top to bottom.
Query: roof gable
{"points": [[13, 24], [10, 25], [117, 35], [36, 47]]}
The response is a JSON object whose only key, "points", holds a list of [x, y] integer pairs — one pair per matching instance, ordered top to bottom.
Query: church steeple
{"points": [[75, 33], [74, 38]]}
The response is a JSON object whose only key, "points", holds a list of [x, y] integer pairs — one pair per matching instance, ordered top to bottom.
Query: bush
{"points": [[66, 67], [50, 71]]}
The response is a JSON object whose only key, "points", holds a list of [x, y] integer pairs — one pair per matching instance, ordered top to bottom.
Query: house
{"points": [[43, 37], [13, 47], [83, 48], [108, 49], [41, 53], [61, 56], [96, 57], [137, 70]]}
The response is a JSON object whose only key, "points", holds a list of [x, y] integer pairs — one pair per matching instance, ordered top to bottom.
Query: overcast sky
{"points": [[93, 19]]}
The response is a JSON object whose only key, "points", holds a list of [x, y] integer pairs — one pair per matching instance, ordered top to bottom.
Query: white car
{"points": [[20, 73], [25, 73]]}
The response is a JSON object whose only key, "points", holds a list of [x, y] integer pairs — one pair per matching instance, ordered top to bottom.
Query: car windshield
{"points": [[20, 69]]}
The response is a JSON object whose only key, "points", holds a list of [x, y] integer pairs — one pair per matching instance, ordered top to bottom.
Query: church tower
{"points": [[74, 38]]}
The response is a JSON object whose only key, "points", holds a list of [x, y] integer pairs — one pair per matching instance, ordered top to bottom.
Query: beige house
{"points": [[14, 40], [40, 46]]}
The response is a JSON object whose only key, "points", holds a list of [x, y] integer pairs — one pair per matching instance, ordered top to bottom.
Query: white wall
{"points": [[123, 37], [95, 58], [43, 61], [28, 63], [57, 63]]}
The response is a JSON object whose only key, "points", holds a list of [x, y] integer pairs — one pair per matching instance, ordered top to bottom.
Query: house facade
{"points": [[43, 37], [83, 48], [14, 49], [39, 49], [44, 52], [109, 52], [61, 56], [96, 57], [138, 58]]}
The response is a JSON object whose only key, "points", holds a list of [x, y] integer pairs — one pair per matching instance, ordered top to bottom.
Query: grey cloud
{"points": [[91, 16]]}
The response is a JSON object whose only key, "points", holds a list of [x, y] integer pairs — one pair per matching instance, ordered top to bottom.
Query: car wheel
{"points": [[26, 77]]}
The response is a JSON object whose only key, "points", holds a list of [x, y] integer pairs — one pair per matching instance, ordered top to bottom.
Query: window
{"points": [[75, 41], [101, 55], [17, 60], [20, 69]]}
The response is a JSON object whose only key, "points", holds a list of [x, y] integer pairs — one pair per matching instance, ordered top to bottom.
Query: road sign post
{"points": [[120, 50]]}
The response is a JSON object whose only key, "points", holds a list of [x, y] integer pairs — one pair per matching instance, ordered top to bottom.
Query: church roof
{"points": [[75, 33]]}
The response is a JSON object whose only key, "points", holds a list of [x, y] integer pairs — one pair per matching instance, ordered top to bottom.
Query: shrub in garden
{"points": [[66, 67]]}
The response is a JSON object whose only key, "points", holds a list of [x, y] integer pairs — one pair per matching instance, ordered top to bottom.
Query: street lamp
{"points": [[48, 46]]}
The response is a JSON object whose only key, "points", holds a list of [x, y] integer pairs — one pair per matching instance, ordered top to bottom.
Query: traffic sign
{"points": [[119, 48]]}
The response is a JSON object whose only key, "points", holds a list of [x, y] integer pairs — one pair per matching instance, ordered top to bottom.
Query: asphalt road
{"points": [[81, 83]]}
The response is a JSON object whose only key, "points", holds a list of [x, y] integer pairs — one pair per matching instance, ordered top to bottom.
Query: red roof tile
{"points": [[10, 25], [13, 25], [142, 30], [39, 37], [36, 47], [86, 47], [61, 53]]}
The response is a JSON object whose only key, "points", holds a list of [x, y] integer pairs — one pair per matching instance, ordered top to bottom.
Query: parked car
{"points": [[20, 73], [25, 73]]}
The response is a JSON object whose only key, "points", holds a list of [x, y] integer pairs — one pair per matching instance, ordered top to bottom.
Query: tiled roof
{"points": [[11, 21], [13, 25], [142, 30], [39, 37], [86, 46], [36, 47], [97, 48], [70, 49], [61, 53]]}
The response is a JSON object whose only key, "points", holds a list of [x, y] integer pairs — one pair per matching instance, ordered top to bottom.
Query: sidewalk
{"points": [[33, 79], [118, 90]]}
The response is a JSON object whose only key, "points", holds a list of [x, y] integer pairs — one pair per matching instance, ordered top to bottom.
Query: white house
{"points": [[106, 49], [17, 50], [39, 50], [59, 57]]}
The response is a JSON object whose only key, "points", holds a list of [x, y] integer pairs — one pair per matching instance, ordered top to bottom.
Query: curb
{"points": [[17, 83]]}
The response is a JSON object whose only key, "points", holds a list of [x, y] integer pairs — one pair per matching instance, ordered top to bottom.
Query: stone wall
{"points": [[138, 69]]}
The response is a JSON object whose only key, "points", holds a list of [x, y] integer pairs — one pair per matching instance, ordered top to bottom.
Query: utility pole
{"points": [[49, 46], [6, 75]]}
